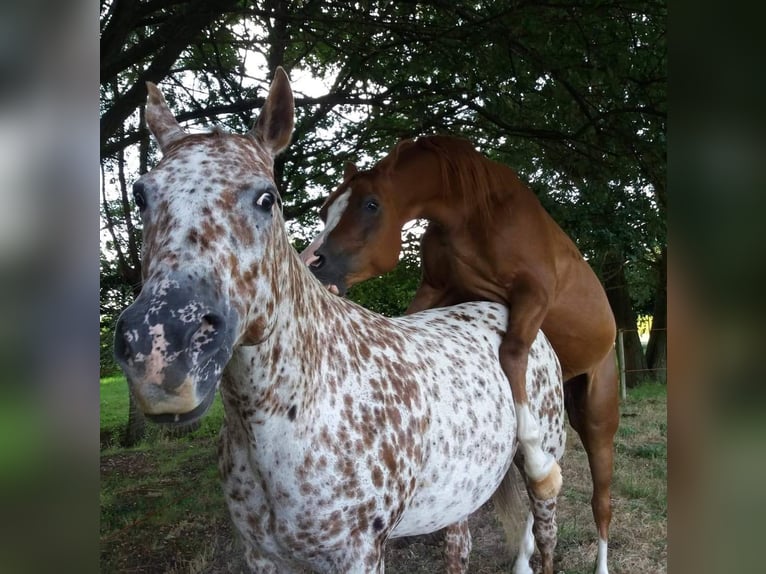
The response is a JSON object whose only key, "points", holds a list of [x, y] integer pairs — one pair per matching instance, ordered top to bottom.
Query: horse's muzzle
{"points": [[330, 269], [172, 345]]}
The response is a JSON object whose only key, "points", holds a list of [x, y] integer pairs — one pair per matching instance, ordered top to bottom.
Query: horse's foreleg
{"points": [[436, 256], [428, 297], [526, 311], [601, 422], [541, 467], [237, 475], [457, 547], [360, 554], [258, 563]]}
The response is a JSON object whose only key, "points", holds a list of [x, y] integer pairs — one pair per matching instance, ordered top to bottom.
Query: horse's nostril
{"points": [[318, 262], [214, 321], [209, 336], [123, 350]]}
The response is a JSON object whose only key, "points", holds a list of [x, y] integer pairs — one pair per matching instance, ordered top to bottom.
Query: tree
{"points": [[571, 95], [657, 348]]}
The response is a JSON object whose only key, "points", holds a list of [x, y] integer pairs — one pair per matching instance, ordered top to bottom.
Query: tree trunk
{"points": [[616, 287], [657, 349], [136, 427]]}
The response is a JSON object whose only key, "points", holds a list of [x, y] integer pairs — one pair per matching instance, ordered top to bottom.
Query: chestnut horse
{"points": [[489, 238]]}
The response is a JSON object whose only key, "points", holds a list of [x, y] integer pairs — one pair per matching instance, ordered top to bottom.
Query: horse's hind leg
{"points": [[592, 403], [544, 529], [541, 530], [457, 547], [526, 549], [367, 557], [259, 564]]}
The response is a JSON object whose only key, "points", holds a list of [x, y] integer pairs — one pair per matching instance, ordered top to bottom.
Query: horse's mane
{"points": [[467, 176]]}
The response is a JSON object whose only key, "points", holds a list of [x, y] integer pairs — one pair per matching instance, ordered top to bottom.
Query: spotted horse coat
{"points": [[342, 428]]}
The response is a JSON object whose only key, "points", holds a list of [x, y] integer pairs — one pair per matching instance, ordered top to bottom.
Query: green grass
{"points": [[648, 390], [114, 404], [114, 415], [626, 431], [650, 451], [641, 454], [158, 499], [160, 507], [163, 510], [638, 533]]}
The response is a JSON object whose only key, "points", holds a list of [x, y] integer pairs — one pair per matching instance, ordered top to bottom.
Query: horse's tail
{"points": [[512, 507]]}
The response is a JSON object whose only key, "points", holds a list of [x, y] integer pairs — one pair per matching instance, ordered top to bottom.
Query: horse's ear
{"points": [[160, 120], [274, 125], [349, 170]]}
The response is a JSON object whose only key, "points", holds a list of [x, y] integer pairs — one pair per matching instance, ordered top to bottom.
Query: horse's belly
{"points": [[471, 446]]}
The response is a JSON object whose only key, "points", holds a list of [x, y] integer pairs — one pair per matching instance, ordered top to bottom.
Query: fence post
{"points": [[621, 365]]}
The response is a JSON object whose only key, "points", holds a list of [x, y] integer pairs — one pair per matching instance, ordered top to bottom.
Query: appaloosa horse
{"points": [[488, 239], [342, 428]]}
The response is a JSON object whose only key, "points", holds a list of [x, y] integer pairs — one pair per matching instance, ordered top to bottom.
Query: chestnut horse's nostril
{"points": [[318, 261]]}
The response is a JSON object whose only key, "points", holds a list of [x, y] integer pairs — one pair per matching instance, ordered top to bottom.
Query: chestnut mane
{"points": [[468, 178]]}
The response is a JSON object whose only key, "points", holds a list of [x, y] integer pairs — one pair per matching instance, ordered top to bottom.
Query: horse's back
{"points": [[470, 441]]}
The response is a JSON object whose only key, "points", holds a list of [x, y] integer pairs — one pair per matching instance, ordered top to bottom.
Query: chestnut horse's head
{"points": [[440, 178], [211, 214], [362, 233]]}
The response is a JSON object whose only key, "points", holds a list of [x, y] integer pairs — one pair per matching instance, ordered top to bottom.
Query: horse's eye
{"points": [[138, 196], [266, 201], [371, 205]]}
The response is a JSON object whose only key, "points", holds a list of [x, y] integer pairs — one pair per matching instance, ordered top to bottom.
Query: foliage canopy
{"points": [[571, 94]]}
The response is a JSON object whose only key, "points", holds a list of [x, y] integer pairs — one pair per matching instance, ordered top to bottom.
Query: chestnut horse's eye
{"points": [[138, 196], [266, 201]]}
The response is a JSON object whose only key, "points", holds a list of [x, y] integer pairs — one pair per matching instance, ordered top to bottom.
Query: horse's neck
{"points": [[420, 187], [300, 296], [286, 362]]}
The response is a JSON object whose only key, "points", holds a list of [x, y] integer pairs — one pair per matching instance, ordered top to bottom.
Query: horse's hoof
{"points": [[549, 486]]}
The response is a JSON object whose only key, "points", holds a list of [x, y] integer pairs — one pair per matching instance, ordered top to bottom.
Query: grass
{"points": [[114, 404], [114, 415], [161, 499], [162, 508], [638, 533]]}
